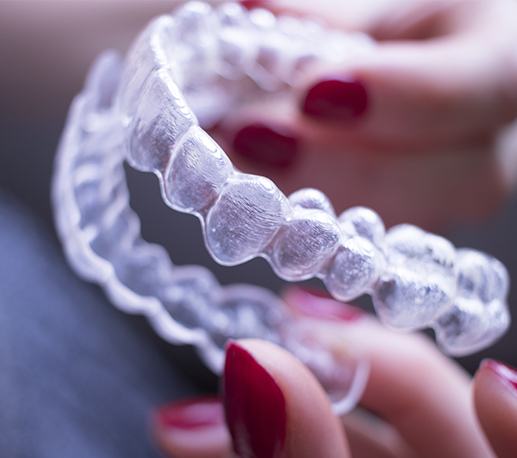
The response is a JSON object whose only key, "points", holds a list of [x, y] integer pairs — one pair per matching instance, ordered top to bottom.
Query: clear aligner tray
{"points": [[189, 69]]}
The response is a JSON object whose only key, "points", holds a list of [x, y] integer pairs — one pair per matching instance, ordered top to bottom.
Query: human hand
{"points": [[414, 129], [419, 402]]}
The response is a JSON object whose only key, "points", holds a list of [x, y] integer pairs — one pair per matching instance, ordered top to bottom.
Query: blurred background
{"points": [[77, 377]]}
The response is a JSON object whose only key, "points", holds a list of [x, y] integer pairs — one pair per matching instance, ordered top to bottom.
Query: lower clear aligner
{"points": [[140, 110]]}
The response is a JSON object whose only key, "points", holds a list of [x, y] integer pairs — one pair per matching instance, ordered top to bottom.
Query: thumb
{"points": [[275, 407]]}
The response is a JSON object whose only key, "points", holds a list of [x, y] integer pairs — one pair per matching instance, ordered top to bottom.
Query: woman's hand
{"points": [[413, 129], [419, 402]]}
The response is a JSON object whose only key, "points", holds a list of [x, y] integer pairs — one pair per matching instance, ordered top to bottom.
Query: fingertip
{"points": [[252, 4], [336, 99], [267, 145], [318, 304], [495, 378], [495, 400], [254, 404], [273, 404], [191, 428]]}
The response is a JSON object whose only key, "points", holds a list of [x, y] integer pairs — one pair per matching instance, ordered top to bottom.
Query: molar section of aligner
{"points": [[196, 48], [236, 49], [271, 50], [148, 53], [304, 53], [160, 120], [197, 172], [312, 199], [245, 217], [364, 222], [304, 244], [359, 260], [142, 267], [354, 269], [481, 276], [419, 282], [189, 296], [246, 311], [479, 314]]}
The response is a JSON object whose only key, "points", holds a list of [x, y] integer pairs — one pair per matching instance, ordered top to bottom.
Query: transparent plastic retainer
{"points": [[187, 70]]}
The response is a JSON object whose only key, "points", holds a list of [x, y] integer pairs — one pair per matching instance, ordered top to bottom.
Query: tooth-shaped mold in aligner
{"points": [[139, 109], [160, 119], [197, 163], [244, 218], [304, 244], [479, 310]]}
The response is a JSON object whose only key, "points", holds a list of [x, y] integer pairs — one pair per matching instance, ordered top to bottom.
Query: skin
{"points": [[428, 405], [496, 406]]}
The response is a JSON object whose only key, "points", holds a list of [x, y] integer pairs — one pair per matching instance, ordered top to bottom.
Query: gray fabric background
{"points": [[77, 378]]}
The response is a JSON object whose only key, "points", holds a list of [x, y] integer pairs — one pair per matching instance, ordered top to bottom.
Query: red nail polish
{"points": [[251, 4], [336, 99], [266, 145], [316, 303], [505, 372], [254, 406], [190, 414]]}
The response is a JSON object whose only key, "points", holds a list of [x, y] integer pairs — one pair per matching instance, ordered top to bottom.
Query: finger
{"points": [[382, 19], [456, 86], [410, 94], [412, 386], [495, 399], [275, 407], [192, 428], [195, 428], [369, 436]]}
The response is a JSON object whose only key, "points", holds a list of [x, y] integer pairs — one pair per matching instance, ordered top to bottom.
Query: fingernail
{"points": [[250, 4], [336, 99], [266, 145], [318, 304], [505, 373], [254, 406], [190, 414]]}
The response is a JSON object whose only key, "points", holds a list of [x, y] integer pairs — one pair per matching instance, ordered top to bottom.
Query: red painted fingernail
{"points": [[250, 4], [336, 99], [266, 145], [318, 304], [506, 373], [254, 406], [190, 414]]}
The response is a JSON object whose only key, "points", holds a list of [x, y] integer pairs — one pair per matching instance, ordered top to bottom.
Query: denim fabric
{"points": [[77, 377]]}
